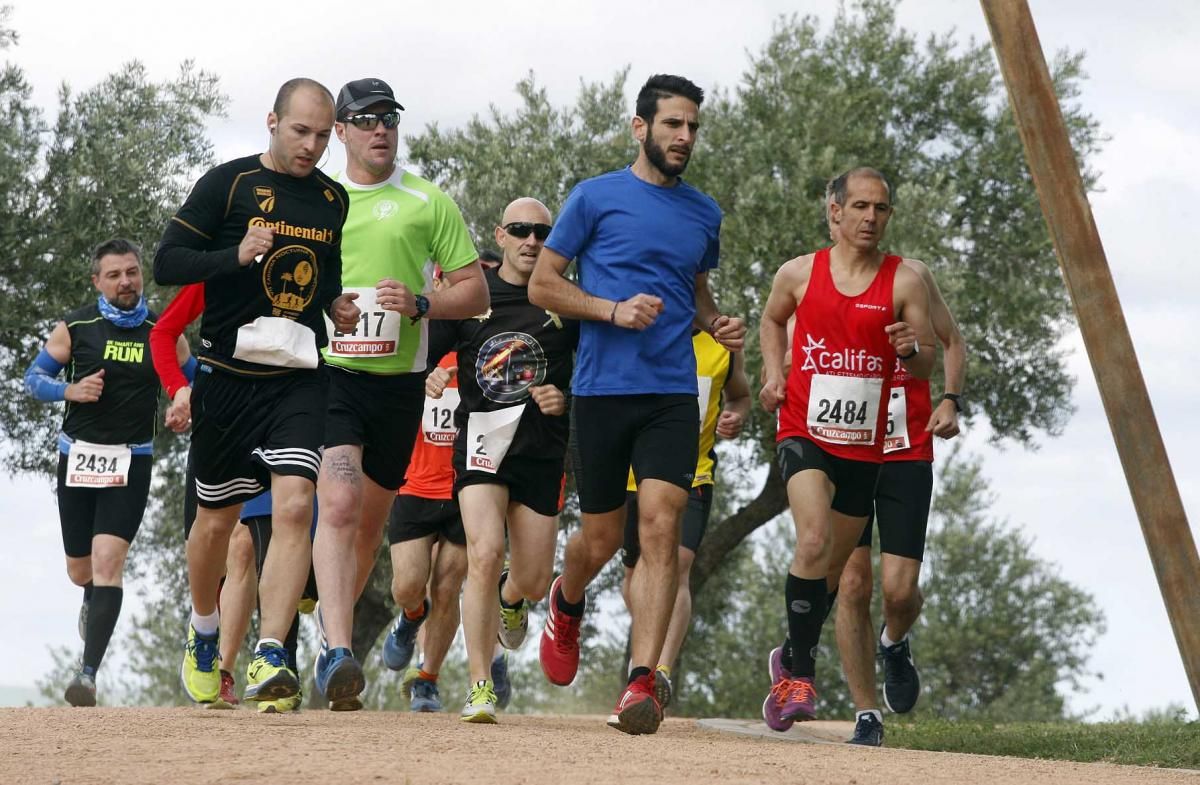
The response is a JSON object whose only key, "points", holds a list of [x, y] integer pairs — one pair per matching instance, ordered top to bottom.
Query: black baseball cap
{"points": [[362, 93]]}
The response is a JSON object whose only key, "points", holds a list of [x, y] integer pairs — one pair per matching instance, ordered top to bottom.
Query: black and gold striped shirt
{"points": [[298, 278]]}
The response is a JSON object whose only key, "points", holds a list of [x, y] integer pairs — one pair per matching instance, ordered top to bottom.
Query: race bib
{"points": [[376, 334], [273, 340], [704, 383], [843, 409], [437, 424], [489, 435], [896, 438], [97, 465]]}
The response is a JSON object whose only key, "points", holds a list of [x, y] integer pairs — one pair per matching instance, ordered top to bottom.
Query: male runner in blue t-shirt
{"points": [[645, 241]]}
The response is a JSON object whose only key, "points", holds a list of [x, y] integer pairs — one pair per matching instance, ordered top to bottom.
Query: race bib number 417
{"points": [[376, 334], [844, 409]]}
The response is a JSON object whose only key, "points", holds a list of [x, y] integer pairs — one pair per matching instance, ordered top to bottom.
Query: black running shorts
{"points": [[380, 413], [245, 429], [658, 435], [853, 481], [534, 482], [902, 498], [86, 512], [414, 517], [695, 521]]}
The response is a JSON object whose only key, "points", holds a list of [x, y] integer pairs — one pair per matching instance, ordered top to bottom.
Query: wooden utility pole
{"points": [[1134, 428]]}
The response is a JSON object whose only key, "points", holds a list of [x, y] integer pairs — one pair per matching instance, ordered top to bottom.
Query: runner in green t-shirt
{"points": [[398, 228]]}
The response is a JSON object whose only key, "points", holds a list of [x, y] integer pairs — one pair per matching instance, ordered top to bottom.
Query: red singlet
{"points": [[841, 363], [909, 410], [430, 471]]}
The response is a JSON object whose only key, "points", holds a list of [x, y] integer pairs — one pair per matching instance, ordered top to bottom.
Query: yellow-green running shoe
{"points": [[514, 622], [199, 673], [411, 674], [269, 678], [481, 703], [282, 705]]}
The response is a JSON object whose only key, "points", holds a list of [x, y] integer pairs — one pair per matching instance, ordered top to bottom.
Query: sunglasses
{"points": [[368, 122], [522, 229]]}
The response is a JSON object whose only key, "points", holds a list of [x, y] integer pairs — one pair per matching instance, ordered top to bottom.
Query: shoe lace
{"points": [[566, 632], [204, 651], [275, 655], [789, 690]]}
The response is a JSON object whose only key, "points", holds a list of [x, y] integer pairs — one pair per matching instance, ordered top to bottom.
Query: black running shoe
{"points": [[901, 682], [868, 732]]}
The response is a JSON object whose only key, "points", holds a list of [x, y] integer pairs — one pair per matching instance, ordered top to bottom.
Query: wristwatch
{"points": [[422, 308], [956, 398]]}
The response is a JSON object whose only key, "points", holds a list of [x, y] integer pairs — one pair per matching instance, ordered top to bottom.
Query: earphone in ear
{"points": [[272, 129]]}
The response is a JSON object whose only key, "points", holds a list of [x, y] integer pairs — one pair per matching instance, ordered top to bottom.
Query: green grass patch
{"points": [[1174, 745]]}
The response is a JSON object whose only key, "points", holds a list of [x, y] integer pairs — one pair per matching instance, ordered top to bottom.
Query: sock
{"points": [[87, 591], [829, 598], [514, 606], [570, 608], [805, 614], [416, 615], [102, 620], [206, 625], [265, 642], [290, 642], [888, 642], [665, 670], [637, 673], [424, 675], [876, 713]]}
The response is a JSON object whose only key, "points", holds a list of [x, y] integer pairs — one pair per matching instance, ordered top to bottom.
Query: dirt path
{"points": [[197, 747]]}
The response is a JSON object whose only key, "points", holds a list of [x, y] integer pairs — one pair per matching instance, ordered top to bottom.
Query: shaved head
{"points": [[526, 208]]}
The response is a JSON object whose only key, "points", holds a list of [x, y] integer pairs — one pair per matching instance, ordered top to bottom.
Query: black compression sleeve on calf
{"points": [[88, 588], [829, 598], [806, 607], [102, 620]]}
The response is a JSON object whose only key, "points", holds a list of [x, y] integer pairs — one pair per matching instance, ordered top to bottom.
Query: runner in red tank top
{"points": [[856, 312], [902, 499], [429, 552]]}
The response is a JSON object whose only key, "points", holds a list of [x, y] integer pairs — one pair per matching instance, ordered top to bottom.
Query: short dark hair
{"points": [[665, 86], [284, 96], [837, 186], [118, 246]]}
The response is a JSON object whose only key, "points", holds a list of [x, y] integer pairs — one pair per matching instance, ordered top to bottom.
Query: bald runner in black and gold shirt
{"points": [[263, 234]]}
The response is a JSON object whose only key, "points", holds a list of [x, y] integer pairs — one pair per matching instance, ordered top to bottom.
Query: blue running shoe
{"points": [[401, 641], [340, 679], [500, 682], [425, 696]]}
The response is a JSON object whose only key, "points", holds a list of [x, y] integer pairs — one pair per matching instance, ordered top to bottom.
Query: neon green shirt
{"points": [[398, 229]]}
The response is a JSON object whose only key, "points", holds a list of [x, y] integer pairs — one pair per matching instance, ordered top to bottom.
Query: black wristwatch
{"points": [[422, 308], [956, 398]]}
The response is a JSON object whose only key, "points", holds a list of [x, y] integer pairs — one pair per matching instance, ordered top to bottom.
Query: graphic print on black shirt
{"points": [[297, 279], [504, 352], [128, 407]]}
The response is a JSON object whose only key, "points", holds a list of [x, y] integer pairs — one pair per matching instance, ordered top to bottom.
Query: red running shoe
{"points": [[559, 652], [226, 698], [638, 710]]}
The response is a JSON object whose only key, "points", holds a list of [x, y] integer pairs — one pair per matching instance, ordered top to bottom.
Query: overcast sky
{"points": [[447, 62]]}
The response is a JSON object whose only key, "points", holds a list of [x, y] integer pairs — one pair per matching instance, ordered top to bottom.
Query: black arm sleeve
{"points": [[187, 253], [443, 337]]}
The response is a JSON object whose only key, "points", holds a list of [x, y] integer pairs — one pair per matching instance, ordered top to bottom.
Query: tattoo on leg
{"points": [[343, 469]]}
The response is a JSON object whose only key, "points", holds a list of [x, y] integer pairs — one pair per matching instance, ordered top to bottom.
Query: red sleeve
{"points": [[181, 312]]}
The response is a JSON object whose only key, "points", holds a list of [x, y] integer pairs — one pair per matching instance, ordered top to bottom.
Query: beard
{"points": [[658, 157], [126, 301]]}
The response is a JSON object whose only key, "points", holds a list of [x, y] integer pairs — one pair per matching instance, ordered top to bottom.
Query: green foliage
{"points": [[117, 162], [1168, 744]]}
